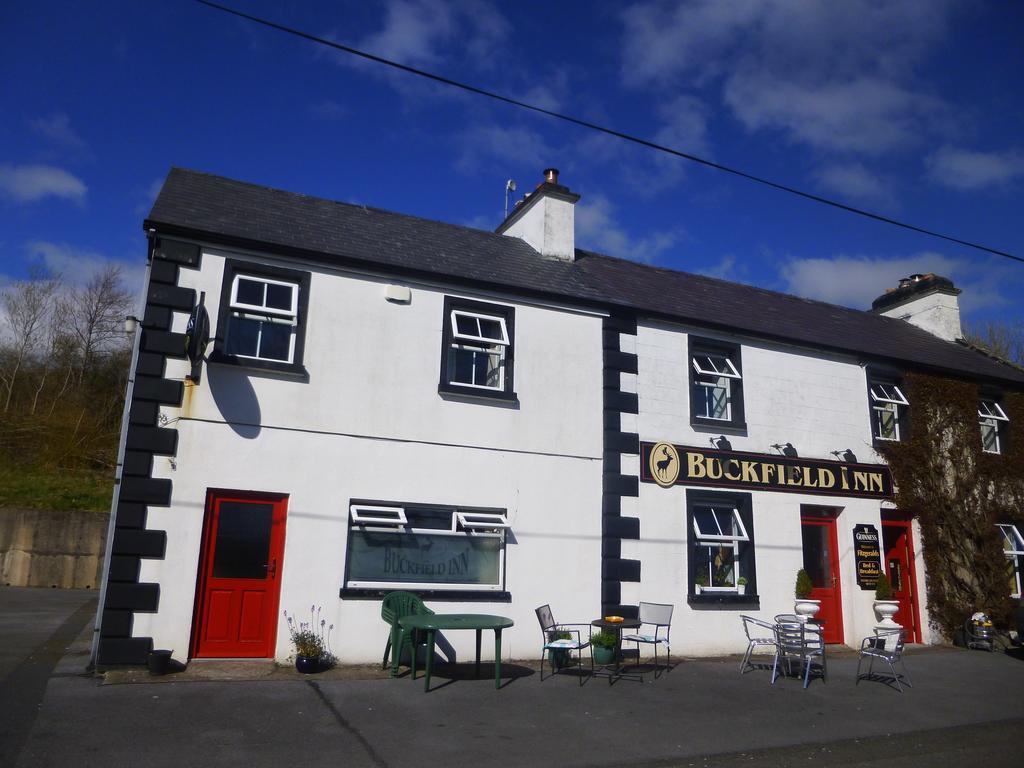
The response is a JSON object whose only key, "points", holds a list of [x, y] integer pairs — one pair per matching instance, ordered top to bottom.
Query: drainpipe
{"points": [[112, 524]]}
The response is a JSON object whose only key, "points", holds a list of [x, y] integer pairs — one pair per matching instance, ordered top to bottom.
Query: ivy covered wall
{"points": [[958, 493]]}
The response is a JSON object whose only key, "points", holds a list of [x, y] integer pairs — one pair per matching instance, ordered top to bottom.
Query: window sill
{"points": [[298, 370], [471, 393], [722, 427], [439, 595], [723, 598]]}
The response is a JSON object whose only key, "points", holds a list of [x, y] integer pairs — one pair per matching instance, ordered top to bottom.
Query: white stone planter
{"points": [[806, 607], [886, 609]]}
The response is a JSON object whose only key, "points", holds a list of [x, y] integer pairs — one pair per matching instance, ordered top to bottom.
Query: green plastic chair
{"points": [[393, 607]]}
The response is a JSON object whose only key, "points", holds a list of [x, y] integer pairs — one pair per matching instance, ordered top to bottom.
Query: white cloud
{"points": [[423, 33], [837, 76], [863, 115], [57, 129], [505, 149], [969, 170], [854, 181], [29, 183], [597, 229], [77, 266], [726, 269], [856, 281]]}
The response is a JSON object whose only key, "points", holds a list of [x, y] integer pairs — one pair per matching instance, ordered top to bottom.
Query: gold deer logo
{"points": [[664, 464]]}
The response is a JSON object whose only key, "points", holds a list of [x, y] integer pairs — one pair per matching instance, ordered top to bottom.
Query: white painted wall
{"points": [[938, 313], [816, 401], [369, 423]]}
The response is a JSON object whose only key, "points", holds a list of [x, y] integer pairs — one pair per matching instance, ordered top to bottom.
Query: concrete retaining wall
{"points": [[43, 548]]}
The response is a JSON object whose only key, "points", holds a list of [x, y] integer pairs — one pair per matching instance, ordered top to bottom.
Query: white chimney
{"points": [[546, 219], [927, 301]]}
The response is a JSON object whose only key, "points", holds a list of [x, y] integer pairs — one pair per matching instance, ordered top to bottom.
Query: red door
{"points": [[821, 561], [899, 566], [239, 589]]}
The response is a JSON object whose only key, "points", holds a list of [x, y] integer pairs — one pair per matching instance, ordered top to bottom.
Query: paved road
{"points": [[965, 708]]}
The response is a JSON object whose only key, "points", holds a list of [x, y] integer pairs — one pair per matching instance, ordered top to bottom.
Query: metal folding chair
{"points": [[659, 617], [549, 628], [759, 634], [876, 647]]}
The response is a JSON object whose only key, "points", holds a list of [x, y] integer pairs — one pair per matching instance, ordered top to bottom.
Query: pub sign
{"points": [[667, 465], [867, 555]]}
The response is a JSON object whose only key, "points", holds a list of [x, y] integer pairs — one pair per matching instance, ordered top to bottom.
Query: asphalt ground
{"points": [[966, 708]]}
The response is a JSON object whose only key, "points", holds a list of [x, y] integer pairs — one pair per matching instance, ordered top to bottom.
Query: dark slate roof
{"points": [[217, 209]]}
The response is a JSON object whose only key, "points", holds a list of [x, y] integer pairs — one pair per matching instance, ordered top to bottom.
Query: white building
{"points": [[496, 422]]}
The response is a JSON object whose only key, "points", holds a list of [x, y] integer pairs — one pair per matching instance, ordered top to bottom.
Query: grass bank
{"points": [[58, 489]]}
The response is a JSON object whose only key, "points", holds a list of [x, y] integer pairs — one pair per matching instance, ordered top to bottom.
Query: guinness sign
{"points": [[667, 465], [867, 555]]}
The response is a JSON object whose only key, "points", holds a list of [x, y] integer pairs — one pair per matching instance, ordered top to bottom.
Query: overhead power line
{"points": [[608, 131]]}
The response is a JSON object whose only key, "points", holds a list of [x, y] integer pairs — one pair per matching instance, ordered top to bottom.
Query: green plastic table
{"points": [[438, 621]]}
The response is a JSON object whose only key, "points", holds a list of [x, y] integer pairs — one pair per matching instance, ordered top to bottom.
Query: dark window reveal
{"points": [[262, 317], [477, 342], [716, 385], [720, 536]]}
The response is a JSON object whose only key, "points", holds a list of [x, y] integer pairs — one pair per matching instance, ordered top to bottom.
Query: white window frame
{"points": [[292, 312], [266, 314], [478, 316], [480, 344], [728, 370], [711, 376], [891, 401], [990, 413], [363, 514], [476, 521], [496, 532], [1012, 537], [721, 540]]}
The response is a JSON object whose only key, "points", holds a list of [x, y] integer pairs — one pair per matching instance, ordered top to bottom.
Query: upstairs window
{"points": [[262, 317], [477, 346], [716, 384], [888, 410], [993, 422], [1013, 547]]}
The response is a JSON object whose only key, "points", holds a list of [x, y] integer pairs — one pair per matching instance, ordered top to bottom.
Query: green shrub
{"points": [[804, 585], [883, 589], [603, 640]]}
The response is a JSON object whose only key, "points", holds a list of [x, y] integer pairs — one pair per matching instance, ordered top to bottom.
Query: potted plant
{"points": [[699, 582], [741, 585], [804, 605], [885, 606], [311, 642], [604, 647], [559, 657]]}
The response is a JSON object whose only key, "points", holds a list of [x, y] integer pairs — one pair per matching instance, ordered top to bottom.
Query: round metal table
{"points": [[616, 627]]}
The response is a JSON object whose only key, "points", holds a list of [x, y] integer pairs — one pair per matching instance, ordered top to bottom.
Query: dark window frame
{"points": [[237, 267], [504, 311], [888, 377], [736, 423], [743, 503]]}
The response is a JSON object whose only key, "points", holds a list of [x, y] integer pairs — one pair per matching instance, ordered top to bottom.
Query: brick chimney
{"points": [[545, 219], [927, 301]]}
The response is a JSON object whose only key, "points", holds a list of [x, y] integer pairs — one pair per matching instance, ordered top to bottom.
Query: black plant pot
{"points": [[159, 662], [307, 665]]}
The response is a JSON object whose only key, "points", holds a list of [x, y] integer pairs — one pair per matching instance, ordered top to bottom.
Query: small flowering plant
{"points": [[312, 638]]}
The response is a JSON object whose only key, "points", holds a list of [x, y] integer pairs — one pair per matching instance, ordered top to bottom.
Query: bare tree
{"points": [[28, 306], [97, 314], [1002, 339]]}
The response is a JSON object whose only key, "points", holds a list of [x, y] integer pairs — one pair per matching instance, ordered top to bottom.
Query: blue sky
{"points": [[911, 109]]}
